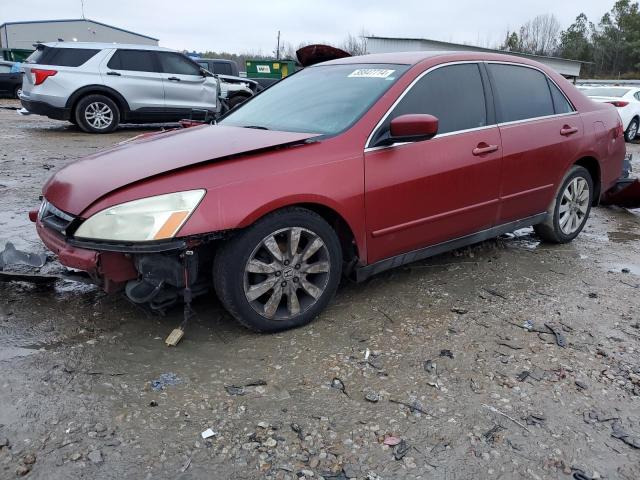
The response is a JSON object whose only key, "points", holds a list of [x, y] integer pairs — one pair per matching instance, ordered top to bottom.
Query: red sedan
{"points": [[348, 167]]}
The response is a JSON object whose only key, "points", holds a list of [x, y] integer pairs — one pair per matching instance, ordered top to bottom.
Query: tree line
{"points": [[609, 48]]}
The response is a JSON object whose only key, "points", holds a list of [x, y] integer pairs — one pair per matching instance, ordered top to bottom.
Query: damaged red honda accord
{"points": [[349, 167]]}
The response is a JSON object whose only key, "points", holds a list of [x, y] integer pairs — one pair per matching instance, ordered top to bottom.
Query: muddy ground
{"points": [[453, 352]]}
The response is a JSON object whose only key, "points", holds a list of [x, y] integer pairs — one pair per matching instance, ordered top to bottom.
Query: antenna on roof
{"points": [[82, 7]]}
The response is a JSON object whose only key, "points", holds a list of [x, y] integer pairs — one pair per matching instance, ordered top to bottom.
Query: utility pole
{"points": [[82, 6], [278, 47]]}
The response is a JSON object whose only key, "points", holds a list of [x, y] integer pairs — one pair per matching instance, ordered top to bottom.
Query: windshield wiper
{"points": [[256, 127]]}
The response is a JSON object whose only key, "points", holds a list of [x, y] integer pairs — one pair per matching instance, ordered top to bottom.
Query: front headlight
{"points": [[153, 218]]}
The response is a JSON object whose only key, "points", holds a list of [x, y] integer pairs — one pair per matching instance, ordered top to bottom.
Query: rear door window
{"points": [[61, 57], [133, 61], [177, 64], [222, 68], [5, 69], [521, 92], [454, 94]]}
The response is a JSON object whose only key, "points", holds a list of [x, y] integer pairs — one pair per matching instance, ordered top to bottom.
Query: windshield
{"points": [[606, 92], [324, 99]]}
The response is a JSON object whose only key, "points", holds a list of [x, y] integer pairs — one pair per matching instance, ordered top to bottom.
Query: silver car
{"points": [[100, 85]]}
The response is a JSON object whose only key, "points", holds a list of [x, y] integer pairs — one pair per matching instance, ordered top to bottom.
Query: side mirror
{"points": [[413, 128]]}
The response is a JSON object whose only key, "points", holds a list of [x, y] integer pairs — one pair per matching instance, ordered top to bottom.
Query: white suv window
{"points": [[133, 61], [178, 64]]}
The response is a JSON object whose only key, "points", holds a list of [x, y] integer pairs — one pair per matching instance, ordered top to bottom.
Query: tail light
{"points": [[41, 75], [619, 103], [619, 130]]}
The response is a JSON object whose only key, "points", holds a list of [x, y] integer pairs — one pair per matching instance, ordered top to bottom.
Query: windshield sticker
{"points": [[371, 73]]}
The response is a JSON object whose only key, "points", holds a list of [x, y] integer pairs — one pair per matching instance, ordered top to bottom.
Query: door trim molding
{"points": [[439, 216], [367, 271]]}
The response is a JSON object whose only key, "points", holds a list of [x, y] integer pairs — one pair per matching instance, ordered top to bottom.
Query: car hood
{"points": [[74, 188]]}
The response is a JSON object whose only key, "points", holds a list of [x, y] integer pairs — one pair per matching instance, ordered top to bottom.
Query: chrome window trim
{"points": [[500, 62], [404, 93], [367, 148]]}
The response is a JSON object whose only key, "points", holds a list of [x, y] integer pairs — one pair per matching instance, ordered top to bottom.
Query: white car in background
{"points": [[627, 101]]}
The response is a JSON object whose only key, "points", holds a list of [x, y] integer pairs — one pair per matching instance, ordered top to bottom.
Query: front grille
{"points": [[54, 218]]}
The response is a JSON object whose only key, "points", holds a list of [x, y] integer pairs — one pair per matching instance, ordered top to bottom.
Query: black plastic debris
{"points": [[560, 340], [446, 353], [523, 375], [338, 385], [581, 385], [240, 389], [535, 419], [620, 433], [490, 435], [400, 450]]}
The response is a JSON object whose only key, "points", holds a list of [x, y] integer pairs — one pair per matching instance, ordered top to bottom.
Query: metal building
{"points": [[23, 35], [568, 68]]}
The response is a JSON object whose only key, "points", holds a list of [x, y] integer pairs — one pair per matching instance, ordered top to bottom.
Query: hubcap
{"points": [[98, 115], [574, 205], [286, 273]]}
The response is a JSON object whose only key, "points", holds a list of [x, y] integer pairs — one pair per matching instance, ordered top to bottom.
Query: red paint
{"points": [[414, 125], [393, 199]]}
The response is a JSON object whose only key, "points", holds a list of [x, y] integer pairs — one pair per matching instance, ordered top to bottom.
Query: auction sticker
{"points": [[371, 73]]}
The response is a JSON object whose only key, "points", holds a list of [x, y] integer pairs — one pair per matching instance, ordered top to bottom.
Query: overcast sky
{"points": [[252, 25]]}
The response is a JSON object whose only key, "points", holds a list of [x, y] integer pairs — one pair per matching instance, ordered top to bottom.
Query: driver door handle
{"points": [[115, 74], [174, 79], [483, 148]]}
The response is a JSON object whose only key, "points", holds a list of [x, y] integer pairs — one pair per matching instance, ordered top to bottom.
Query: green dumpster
{"points": [[269, 68]]}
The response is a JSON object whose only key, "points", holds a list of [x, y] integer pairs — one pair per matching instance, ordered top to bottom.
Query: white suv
{"points": [[100, 85]]}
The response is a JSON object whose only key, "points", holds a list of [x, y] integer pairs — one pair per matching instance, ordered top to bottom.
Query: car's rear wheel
{"points": [[17, 91], [97, 114], [632, 130], [570, 209], [281, 272]]}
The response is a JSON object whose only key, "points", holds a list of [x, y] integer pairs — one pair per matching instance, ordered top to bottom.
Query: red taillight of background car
{"points": [[40, 75], [619, 103]]}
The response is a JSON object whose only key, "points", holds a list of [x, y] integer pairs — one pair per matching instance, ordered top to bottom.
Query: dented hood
{"points": [[78, 185]]}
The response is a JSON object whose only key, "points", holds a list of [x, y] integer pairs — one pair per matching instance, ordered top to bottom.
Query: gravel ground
{"points": [[443, 369]]}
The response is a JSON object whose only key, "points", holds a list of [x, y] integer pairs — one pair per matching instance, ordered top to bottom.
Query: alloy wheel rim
{"points": [[99, 115], [633, 130], [574, 206], [286, 273]]}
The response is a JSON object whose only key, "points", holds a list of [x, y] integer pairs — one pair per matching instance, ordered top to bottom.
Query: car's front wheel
{"points": [[17, 91], [97, 114], [632, 130], [570, 209], [281, 272]]}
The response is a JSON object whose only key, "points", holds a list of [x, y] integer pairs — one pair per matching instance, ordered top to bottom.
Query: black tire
{"points": [[16, 91], [236, 100], [85, 107], [632, 130], [550, 230], [232, 257]]}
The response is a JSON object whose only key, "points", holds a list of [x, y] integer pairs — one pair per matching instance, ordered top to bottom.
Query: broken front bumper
{"points": [[110, 270]]}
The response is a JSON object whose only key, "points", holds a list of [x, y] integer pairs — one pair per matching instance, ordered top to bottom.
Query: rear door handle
{"points": [[115, 74], [174, 79], [567, 130], [483, 148]]}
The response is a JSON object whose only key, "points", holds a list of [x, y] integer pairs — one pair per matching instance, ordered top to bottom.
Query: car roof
{"points": [[101, 46], [413, 58]]}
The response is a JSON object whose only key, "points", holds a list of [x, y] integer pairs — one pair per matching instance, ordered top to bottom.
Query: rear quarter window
{"points": [[61, 57], [521, 92], [560, 102]]}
